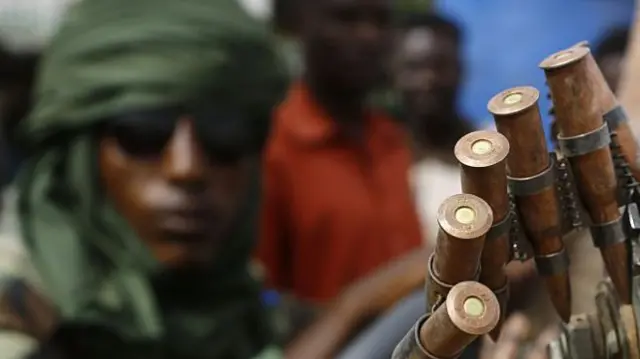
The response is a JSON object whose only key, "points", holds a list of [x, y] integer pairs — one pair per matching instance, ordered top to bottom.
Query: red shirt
{"points": [[332, 211]]}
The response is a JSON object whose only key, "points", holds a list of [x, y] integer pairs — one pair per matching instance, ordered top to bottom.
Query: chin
{"points": [[360, 80], [181, 252], [197, 259]]}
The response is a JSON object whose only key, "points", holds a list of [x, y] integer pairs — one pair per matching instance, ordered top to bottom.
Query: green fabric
{"points": [[414, 6], [291, 52], [111, 56], [270, 353]]}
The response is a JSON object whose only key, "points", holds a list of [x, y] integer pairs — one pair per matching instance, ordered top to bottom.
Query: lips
{"points": [[187, 223]]}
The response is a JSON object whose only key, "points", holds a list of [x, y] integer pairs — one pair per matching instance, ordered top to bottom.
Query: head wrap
{"points": [[413, 6], [111, 56]]}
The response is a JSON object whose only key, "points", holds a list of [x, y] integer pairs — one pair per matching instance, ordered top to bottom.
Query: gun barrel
{"points": [[584, 139], [482, 157], [533, 184], [464, 221]]}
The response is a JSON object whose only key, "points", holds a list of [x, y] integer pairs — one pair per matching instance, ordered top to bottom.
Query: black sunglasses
{"points": [[226, 136]]}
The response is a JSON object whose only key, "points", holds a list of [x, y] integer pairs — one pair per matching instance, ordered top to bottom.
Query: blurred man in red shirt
{"points": [[337, 202]]}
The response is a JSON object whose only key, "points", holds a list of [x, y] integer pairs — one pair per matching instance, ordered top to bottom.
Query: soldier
{"points": [[428, 73], [136, 195]]}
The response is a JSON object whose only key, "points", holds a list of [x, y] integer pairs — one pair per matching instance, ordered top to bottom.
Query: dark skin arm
{"points": [[361, 301], [27, 322]]}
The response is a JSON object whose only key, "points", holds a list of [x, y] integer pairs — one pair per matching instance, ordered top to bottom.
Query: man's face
{"points": [[347, 42], [611, 66], [427, 71], [180, 195]]}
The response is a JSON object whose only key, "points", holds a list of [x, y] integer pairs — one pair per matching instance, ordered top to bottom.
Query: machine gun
{"points": [[581, 97], [534, 197]]}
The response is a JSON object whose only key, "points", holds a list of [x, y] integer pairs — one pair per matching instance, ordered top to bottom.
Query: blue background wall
{"points": [[506, 39]]}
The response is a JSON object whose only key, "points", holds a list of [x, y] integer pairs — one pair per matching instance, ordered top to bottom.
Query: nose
{"points": [[368, 31], [427, 79], [422, 80], [184, 162]]}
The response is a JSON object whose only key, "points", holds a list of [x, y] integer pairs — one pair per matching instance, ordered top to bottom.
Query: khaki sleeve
{"points": [[27, 318], [15, 345]]}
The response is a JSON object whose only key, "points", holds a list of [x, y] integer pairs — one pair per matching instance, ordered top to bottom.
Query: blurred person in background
{"points": [[609, 53], [428, 74], [628, 89], [139, 190], [338, 217]]}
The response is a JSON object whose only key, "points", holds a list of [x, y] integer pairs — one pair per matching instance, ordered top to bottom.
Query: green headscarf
{"points": [[111, 56]]}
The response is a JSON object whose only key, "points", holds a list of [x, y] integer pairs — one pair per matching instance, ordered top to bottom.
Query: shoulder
{"points": [[285, 116], [387, 122], [277, 139], [281, 145], [14, 260], [23, 306], [14, 345]]}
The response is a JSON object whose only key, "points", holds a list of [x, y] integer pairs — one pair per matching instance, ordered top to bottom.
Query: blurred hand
{"points": [[383, 288], [366, 298], [512, 340]]}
